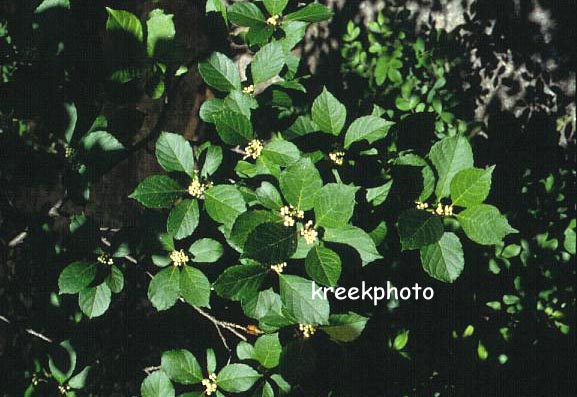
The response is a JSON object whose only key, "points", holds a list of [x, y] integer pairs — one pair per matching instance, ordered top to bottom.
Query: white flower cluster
{"points": [[274, 20], [249, 89], [253, 149], [337, 157], [197, 189], [441, 210], [290, 214], [309, 233], [178, 258], [105, 259], [279, 267], [307, 330], [209, 384]]}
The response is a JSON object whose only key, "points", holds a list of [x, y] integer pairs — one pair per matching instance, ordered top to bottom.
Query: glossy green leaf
{"points": [[275, 7], [313, 12], [245, 14], [160, 32], [267, 62], [220, 72], [328, 113], [233, 128], [369, 128], [281, 152], [174, 153], [449, 156], [300, 183], [471, 186], [157, 191], [269, 196], [224, 203], [334, 205], [183, 219], [246, 223], [484, 224], [418, 228], [356, 238], [271, 243], [206, 250], [444, 260], [323, 265], [75, 277], [115, 279], [240, 282], [194, 287], [164, 288], [297, 297], [94, 301], [345, 327], [267, 350], [181, 366], [237, 378], [157, 384]]}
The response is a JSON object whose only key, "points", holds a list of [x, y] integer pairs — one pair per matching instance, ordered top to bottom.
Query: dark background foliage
{"points": [[517, 81]]}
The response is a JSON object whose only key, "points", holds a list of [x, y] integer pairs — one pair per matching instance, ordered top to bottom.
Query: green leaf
{"points": [[51, 4], [217, 6], [275, 7], [313, 12], [245, 14], [125, 22], [159, 32], [267, 62], [220, 72], [240, 102], [210, 109], [328, 113], [303, 125], [233, 128], [369, 128], [100, 146], [281, 152], [174, 153], [450, 156], [212, 161], [300, 182], [471, 186], [157, 191], [377, 195], [269, 196], [224, 203], [334, 205], [183, 219], [246, 223], [484, 224], [419, 228], [356, 238], [569, 241], [271, 243], [206, 250], [444, 259], [323, 265], [75, 277], [115, 279], [240, 282], [194, 287], [164, 288], [297, 296], [94, 301], [261, 304], [345, 327], [401, 340], [267, 349], [244, 350], [181, 366], [236, 378], [78, 381], [157, 384]]}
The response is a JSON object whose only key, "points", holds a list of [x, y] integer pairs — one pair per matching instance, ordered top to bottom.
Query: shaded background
{"points": [[518, 80]]}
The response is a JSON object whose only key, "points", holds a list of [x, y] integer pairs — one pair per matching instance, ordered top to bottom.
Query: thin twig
{"points": [[19, 239], [30, 331]]}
